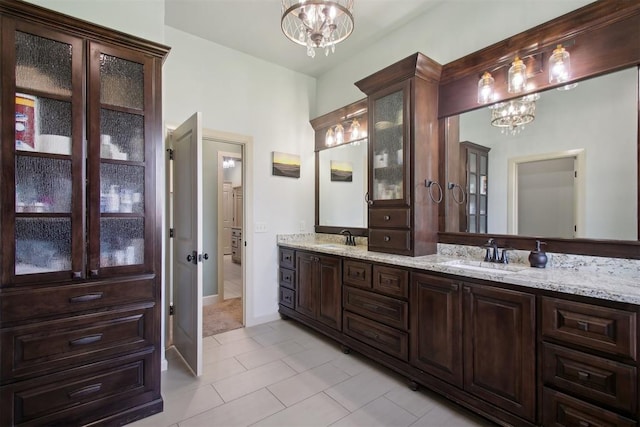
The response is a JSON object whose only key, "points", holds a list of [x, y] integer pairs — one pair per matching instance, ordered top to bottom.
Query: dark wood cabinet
{"points": [[403, 156], [473, 200], [81, 248], [318, 288], [436, 327], [500, 347]]}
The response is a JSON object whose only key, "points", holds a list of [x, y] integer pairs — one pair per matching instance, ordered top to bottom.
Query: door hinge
{"points": [[171, 153], [172, 233], [172, 310]]}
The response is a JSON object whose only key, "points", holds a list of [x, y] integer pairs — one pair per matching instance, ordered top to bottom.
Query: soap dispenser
{"points": [[538, 258]]}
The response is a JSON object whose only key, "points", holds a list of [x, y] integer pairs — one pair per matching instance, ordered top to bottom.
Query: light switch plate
{"points": [[303, 225], [260, 227]]}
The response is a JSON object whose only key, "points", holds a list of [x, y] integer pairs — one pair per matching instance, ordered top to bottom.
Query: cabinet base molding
{"points": [[414, 376]]}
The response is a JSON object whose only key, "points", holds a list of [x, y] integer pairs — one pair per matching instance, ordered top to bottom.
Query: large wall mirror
{"points": [[588, 136], [341, 146], [571, 173]]}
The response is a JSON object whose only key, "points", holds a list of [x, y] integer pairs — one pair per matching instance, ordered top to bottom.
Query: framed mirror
{"points": [[341, 169], [606, 217]]}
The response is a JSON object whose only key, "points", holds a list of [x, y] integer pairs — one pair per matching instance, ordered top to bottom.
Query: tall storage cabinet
{"points": [[403, 156], [474, 165], [80, 217]]}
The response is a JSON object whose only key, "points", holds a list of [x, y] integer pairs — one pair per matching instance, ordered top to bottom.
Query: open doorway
{"points": [[546, 186]]}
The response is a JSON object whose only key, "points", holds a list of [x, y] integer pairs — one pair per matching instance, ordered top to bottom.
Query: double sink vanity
{"points": [[429, 181], [516, 344]]}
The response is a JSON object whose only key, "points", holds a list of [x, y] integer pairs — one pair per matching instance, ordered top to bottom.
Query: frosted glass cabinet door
{"points": [[119, 90], [388, 147], [47, 227]]}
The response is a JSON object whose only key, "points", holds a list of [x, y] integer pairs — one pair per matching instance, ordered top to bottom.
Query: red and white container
{"points": [[25, 122]]}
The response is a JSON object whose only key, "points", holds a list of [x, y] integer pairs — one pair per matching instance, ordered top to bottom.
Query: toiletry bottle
{"points": [[538, 258]]}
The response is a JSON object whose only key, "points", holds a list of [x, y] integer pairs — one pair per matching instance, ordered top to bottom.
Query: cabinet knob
{"points": [[387, 217], [387, 238], [93, 273], [77, 274], [455, 287], [583, 326], [583, 376]]}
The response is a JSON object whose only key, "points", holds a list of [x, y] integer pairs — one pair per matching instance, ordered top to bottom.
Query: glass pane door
{"points": [[388, 147]]}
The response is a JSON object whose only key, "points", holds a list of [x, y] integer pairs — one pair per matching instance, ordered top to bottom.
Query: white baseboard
{"points": [[209, 300], [262, 319]]}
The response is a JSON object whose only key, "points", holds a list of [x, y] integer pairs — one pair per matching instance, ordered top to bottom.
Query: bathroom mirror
{"points": [[577, 160], [342, 183]]}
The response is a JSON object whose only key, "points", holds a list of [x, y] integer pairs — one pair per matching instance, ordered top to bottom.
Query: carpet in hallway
{"points": [[222, 316]]}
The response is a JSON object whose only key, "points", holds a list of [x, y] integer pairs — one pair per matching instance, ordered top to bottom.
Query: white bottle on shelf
{"points": [[113, 199]]}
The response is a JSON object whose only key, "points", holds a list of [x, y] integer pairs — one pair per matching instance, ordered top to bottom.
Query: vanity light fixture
{"points": [[317, 23], [559, 65], [517, 76], [485, 88], [354, 129], [339, 130], [329, 138], [228, 162]]}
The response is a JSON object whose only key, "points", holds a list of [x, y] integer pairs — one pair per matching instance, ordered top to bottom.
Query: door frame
{"points": [[246, 142], [579, 187]]}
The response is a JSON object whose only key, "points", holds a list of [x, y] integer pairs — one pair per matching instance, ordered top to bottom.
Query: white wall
{"points": [[446, 33], [244, 95], [598, 116]]}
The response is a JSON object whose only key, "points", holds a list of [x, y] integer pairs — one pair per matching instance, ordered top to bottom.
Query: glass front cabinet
{"points": [[80, 134], [403, 155], [474, 161]]}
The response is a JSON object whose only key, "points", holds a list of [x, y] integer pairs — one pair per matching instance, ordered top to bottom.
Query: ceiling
{"points": [[253, 27]]}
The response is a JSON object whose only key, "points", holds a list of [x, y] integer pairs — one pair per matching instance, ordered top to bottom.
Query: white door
{"points": [[227, 216], [187, 241]]}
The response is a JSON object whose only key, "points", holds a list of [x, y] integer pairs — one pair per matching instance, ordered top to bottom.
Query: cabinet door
{"points": [[388, 142], [42, 154], [121, 193], [329, 274], [306, 289], [436, 327], [499, 348]]}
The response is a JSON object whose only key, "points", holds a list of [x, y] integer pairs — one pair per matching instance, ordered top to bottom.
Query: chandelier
{"points": [[317, 23], [511, 116]]}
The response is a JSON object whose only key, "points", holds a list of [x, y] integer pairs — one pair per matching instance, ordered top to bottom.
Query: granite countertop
{"points": [[604, 278]]}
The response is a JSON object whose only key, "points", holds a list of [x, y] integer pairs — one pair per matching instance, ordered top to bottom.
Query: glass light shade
{"points": [[317, 23], [559, 65], [517, 80], [485, 88], [355, 129], [339, 131], [329, 138]]}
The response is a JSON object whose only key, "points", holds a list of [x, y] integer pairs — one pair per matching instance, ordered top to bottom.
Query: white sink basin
{"points": [[333, 246], [486, 267]]}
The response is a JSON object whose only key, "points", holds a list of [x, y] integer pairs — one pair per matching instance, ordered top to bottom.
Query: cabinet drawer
{"points": [[390, 218], [235, 232], [396, 240], [234, 242], [286, 258], [357, 273], [287, 278], [391, 281], [287, 298], [66, 299], [389, 311], [595, 327], [389, 340], [46, 346], [591, 377], [54, 399], [560, 410]]}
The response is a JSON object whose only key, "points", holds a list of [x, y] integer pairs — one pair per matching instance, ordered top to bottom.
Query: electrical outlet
{"points": [[303, 225], [260, 227]]}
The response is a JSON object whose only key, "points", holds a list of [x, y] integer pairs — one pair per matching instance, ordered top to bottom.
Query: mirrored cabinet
{"points": [[80, 254]]}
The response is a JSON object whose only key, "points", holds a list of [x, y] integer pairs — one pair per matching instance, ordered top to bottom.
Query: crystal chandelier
{"points": [[317, 23], [511, 116]]}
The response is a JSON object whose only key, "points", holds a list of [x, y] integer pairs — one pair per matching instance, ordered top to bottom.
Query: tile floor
{"points": [[283, 374]]}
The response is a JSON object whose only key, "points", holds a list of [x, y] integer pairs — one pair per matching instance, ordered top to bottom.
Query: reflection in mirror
{"points": [[572, 172], [342, 174]]}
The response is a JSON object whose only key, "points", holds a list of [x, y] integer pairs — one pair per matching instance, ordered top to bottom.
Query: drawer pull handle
{"points": [[387, 217], [387, 238], [455, 287], [86, 298], [370, 306], [583, 326], [371, 334], [90, 339], [583, 376], [84, 391], [583, 423]]}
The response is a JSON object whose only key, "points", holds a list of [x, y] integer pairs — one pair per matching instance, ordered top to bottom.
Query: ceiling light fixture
{"points": [[317, 23], [511, 116]]}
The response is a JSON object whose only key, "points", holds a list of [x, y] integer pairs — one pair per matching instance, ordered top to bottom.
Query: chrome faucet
{"points": [[350, 239], [492, 253]]}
